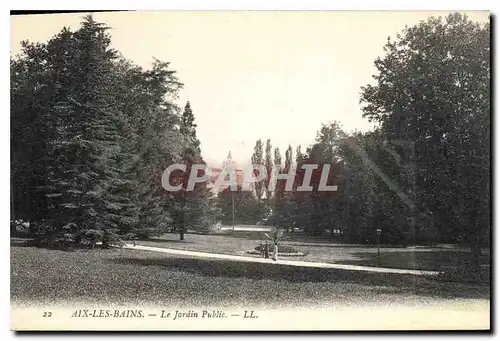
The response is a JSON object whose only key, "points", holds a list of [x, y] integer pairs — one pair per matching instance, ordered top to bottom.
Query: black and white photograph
{"points": [[250, 171]]}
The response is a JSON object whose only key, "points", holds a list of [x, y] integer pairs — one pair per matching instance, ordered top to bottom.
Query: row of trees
{"points": [[91, 134], [424, 173], [255, 206]]}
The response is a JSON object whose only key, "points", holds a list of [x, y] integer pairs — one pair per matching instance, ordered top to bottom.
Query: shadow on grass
{"points": [[163, 240], [21, 242], [30, 242], [72, 247], [432, 260], [456, 266], [279, 272]]}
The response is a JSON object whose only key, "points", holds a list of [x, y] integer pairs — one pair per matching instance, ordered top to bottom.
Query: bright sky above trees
{"points": [[251, 75]]}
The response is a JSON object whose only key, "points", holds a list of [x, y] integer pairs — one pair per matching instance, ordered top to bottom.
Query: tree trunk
{"points": [[183, 216]]}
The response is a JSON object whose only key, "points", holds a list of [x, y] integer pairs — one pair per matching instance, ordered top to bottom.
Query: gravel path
{"points": [[286, 262]]}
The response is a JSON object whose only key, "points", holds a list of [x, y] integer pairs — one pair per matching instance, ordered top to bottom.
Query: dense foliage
{"points": [[91, 134], [423, 175]]}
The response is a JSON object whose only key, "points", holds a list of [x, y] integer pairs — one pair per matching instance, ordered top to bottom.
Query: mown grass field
{"points": [[238, 243], [131, 276]]}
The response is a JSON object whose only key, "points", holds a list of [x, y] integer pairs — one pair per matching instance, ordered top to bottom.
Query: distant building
{"points": [[240, 176]]}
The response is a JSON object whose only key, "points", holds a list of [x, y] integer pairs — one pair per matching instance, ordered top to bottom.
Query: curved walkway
{"points": [[280, 261]]}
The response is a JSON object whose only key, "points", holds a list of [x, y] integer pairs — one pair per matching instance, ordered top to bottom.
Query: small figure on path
{"points": [[262, 249], [275, 252]]}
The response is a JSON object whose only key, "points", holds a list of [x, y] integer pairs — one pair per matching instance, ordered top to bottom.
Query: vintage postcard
{"points": [[250, 171]]}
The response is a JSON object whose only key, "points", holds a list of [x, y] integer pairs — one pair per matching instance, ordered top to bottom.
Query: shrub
{"points": [[281, 249]]}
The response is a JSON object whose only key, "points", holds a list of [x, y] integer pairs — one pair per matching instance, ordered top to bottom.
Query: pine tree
{"points": [[188, 127], [91, 136], [90, 182], [197, 207]]}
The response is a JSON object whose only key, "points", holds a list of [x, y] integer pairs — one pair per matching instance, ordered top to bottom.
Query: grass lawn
{"points": [[238, 243], [426, 260], [53, 276]]}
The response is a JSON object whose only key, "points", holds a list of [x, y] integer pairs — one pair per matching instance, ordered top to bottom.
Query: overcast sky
{"points": [[251, 75]]}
